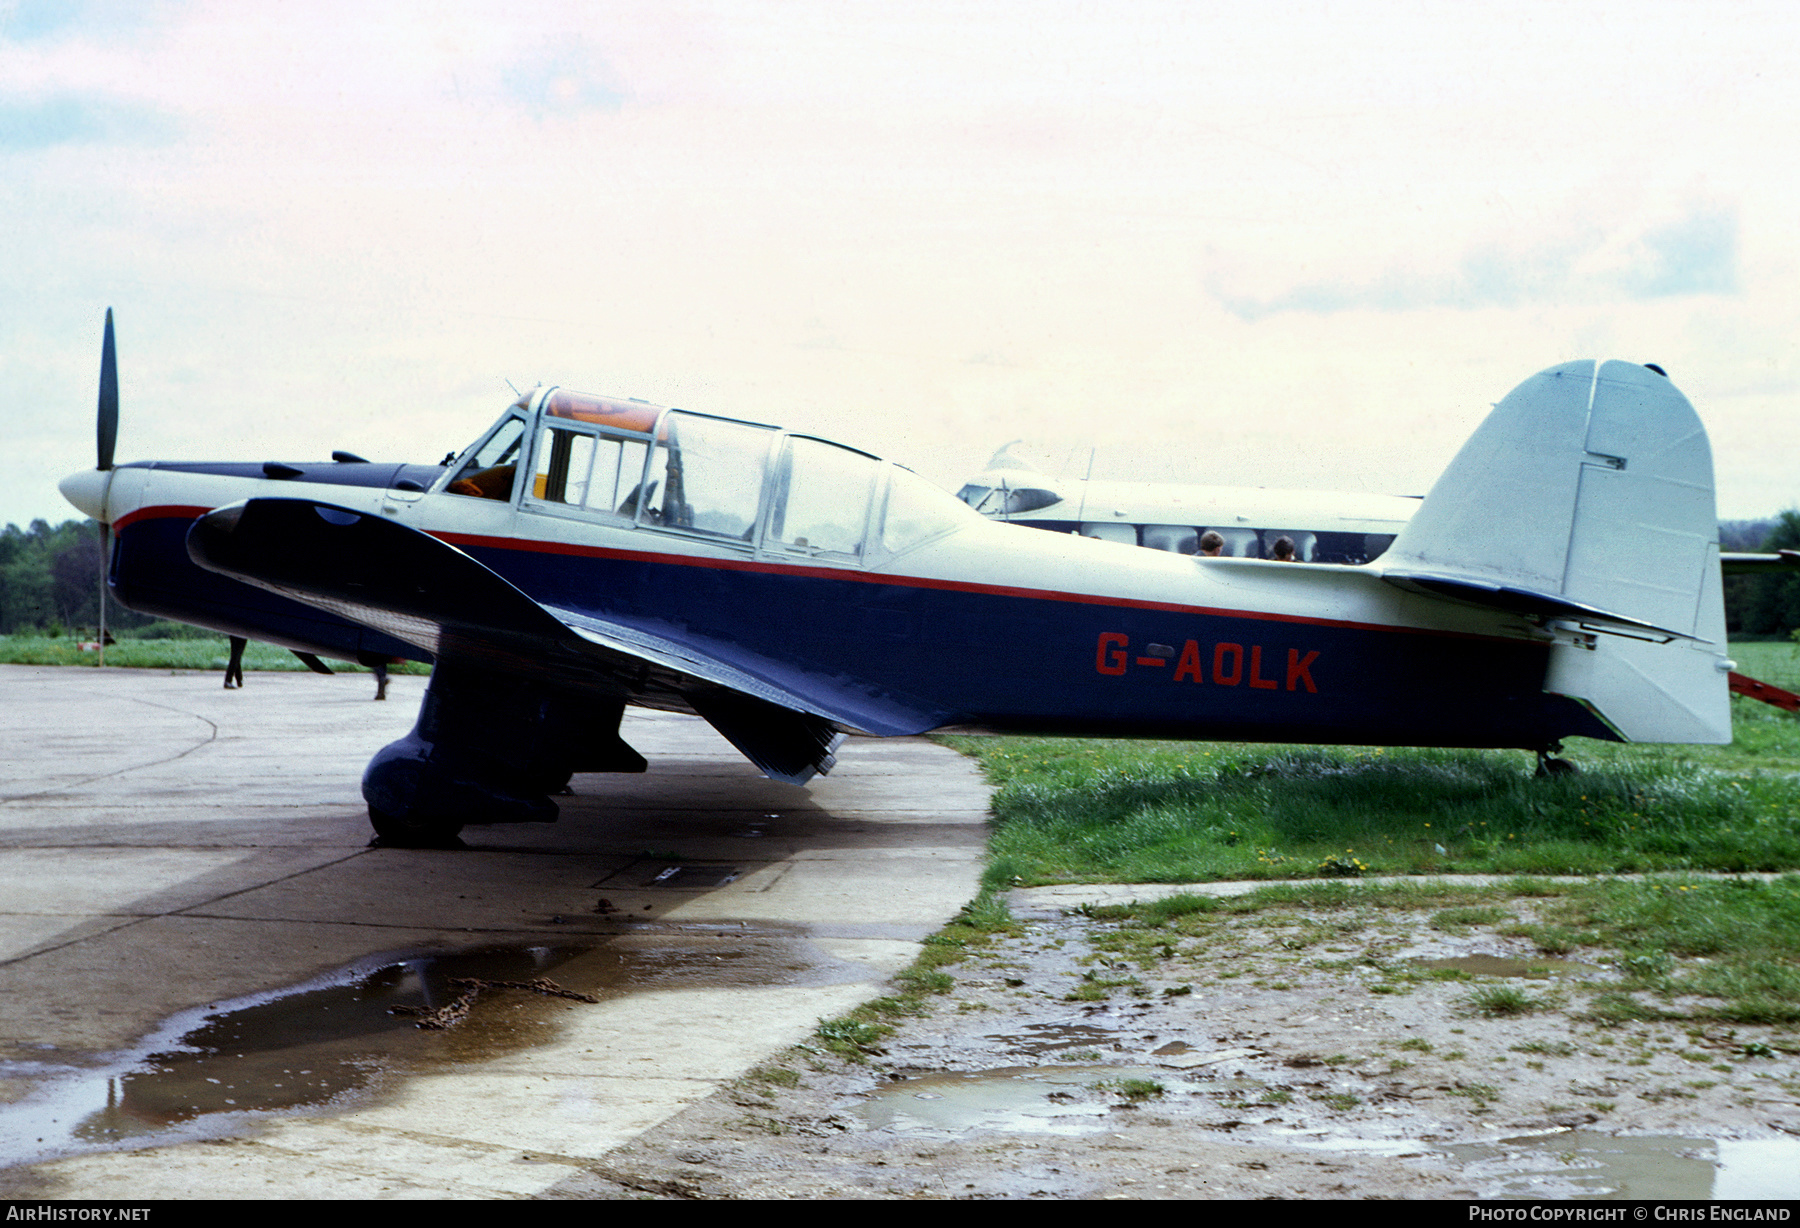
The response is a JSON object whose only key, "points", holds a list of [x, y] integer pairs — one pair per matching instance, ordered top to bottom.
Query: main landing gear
{"points": [[488, 748]]}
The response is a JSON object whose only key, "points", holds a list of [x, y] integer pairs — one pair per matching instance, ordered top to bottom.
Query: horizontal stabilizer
{"points": [[1515, 600]]}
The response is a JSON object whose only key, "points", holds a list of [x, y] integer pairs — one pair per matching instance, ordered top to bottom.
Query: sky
{"points": [[1287, 244]]}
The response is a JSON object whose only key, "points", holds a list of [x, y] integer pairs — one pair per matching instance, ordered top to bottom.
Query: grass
{"points": [[189, 648], [1071, 810], [1703, 949], [1498, 1001]]}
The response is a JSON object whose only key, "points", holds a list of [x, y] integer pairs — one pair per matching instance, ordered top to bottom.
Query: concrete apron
{"points": [[167, 846]]}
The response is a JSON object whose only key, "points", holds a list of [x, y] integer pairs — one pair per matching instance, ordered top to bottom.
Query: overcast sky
{"points": [[1281, 244]]}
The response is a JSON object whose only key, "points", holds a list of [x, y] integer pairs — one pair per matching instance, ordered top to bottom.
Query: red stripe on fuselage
{"points": [[166, 511], [530, 545], [831, 573]]}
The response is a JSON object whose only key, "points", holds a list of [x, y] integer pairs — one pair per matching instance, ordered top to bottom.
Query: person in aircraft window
{"points": [[1212, 544], [1283, 550]]}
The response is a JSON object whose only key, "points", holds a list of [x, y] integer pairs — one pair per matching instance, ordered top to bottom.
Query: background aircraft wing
{"points": [[1739, 564]]}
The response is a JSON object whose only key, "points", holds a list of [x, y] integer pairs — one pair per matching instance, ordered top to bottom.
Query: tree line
{"points": [[49, 580]]}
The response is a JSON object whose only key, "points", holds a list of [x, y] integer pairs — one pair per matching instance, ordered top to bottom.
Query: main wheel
{"points": [[394, 832]]}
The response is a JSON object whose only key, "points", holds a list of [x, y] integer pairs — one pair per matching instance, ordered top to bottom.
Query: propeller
{"points": [[107, 423], [106, 434]]}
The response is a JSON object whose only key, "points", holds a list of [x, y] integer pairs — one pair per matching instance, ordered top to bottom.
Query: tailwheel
{"points": [[1549, 766]]}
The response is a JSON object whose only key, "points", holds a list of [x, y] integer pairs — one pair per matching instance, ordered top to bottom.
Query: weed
{"points": [[1458, 921], [1497, 1001], [1615, 1007], [852, 1038], [1550, 1048], [780, 1076], [1137, 1090], [1483, 1094], [1343, 1102]]}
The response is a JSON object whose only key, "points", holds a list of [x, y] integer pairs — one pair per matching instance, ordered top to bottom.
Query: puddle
{"points": [[1504, 965], [1036, 1039], [316, 1045], [1040, 1099], [1581, 1164]]}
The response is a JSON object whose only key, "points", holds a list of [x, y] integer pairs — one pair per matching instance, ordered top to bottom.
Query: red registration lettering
{"points": [[1109, 657], [1237, 664], [1189, 665], [1299, 670]]}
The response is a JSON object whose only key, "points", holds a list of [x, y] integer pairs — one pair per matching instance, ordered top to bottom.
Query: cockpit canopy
{"points": [[742, 485]]}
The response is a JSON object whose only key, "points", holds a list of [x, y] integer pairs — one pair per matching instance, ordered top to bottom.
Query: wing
{"points": [[1740, 564], [426, 592]]}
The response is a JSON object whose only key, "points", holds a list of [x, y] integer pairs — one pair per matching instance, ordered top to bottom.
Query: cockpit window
{"points": [[487, 470], [711, 476], [1007, 499], [821, 500]]}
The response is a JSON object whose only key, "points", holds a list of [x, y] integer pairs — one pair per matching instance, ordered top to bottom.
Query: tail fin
{"points": [[1586, 500]]}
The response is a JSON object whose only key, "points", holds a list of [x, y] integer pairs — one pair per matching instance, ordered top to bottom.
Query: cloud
{"points": [[32, 20], [569, 80], [41, 123], [1695, 254]]}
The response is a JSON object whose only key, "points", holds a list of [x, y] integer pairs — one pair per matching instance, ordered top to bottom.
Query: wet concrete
{"points": [[196, 942]]}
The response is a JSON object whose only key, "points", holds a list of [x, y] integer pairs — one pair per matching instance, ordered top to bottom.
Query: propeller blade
{"points": [[107, 423]]}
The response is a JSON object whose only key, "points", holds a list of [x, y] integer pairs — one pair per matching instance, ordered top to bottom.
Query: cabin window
{"points": [[564, 460], [488, 469], [599, 473], [710, 473], [618, 474], [821, 500], [917, 511], [1106, 531], [1175, 538], [1239, 543], [1306, 544]]}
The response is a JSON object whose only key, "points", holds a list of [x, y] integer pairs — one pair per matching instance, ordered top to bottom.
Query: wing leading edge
{"points": [[426, 592]]}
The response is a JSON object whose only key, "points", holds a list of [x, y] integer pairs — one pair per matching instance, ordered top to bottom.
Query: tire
{"points": [[394, 832]]}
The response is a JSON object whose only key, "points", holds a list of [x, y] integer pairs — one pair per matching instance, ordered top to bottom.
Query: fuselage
{"points": [[826, 572]]}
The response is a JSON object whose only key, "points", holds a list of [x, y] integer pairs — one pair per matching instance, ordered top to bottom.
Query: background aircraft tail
{"points": [[1586, 500]]}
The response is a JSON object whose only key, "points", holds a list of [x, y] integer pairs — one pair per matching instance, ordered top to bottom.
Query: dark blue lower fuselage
{"points": [[903, 655]]}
